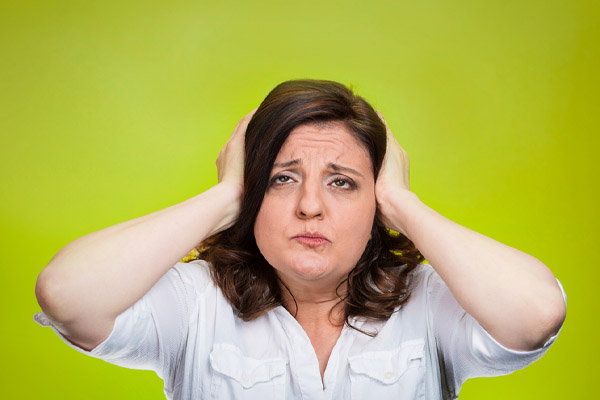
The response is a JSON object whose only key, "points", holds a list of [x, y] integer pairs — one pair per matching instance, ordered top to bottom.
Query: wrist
{"points": [[231, 190], [228, 195], [397, 208]]}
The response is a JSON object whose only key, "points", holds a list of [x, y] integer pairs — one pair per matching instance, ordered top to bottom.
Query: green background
{"points": [[112, 110]]}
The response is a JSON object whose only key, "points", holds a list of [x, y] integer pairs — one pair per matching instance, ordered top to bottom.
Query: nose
{"points": [[310, 202]]}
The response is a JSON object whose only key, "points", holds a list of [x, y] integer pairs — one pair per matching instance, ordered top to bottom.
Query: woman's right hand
{"points": [[230, 163], [230, 170], [126, 260]]}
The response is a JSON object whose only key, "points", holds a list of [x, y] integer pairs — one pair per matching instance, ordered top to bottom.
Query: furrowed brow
{"points": [[286, 164], [331, 166], [339, 168]]}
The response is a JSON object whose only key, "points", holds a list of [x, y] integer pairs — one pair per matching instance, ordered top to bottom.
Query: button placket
{"points": [[306, 362]]}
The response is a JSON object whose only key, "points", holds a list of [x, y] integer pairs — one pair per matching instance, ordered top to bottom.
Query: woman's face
{"points": [[317, 213]]}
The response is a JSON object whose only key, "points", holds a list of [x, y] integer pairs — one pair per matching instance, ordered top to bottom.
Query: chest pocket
{"points": [[397, 373], [236, 376]]}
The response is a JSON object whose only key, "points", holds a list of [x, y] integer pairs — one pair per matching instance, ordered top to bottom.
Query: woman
{"points": [[302, 291]]}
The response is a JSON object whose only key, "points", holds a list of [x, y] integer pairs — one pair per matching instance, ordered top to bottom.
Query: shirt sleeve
{"points": [[152, 333], [465, 349]]}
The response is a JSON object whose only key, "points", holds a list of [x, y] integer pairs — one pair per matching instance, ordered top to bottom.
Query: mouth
{"points": [[311, 239]]}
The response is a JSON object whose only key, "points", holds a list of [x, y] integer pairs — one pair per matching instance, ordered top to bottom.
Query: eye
{"points": [[281, 179], [342, 183]]}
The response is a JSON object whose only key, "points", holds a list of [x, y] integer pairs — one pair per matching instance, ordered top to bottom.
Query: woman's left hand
{"points": [[393, 180], [510, 293]]}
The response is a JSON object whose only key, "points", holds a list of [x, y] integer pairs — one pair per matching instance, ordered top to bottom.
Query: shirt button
{"points": [[388, 375]]}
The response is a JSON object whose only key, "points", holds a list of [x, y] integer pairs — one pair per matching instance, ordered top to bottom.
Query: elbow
{"points": [[49, 291], [551, 316], [556, 317]]}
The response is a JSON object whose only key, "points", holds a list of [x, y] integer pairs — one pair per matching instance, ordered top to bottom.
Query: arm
{"points": [[90, 281], [514, 296]]}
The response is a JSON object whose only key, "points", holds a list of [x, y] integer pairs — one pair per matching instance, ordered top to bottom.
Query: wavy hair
{"points": [[379, 284]]}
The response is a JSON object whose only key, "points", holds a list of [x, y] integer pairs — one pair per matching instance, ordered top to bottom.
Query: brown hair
{"points": [[379, 283]]}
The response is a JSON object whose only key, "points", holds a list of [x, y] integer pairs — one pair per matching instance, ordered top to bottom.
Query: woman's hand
{"points": [[230, 163], [230, 171], [393, 180], [126, 260], [511, 294]]}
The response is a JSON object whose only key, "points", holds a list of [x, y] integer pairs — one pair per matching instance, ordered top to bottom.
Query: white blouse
{"points": [[186, 331]]}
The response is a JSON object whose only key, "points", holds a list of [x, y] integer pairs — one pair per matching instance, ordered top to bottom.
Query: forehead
{"points": [[330, 140]]}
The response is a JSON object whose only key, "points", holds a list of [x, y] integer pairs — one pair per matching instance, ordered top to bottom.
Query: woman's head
{"points": [[289, 105], [314, 132], [306, 145], [318, 211]]}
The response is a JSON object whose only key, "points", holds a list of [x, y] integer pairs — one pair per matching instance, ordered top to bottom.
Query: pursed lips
{"points": [[311, 239]]}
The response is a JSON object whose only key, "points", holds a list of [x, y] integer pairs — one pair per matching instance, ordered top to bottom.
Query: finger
{"points": [[380, 114], [246, 118], [242, 125], [387, 128], [390, 136]]}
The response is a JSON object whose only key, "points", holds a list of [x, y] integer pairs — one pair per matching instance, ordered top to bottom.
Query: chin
{"points": [[307, 268], [310, 272]]}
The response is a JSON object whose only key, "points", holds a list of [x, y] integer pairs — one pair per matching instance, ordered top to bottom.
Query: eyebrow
{"points": [[286, 164], [331, 166], [339, 168]]}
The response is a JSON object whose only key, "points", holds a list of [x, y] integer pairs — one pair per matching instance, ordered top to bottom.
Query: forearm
{"points": [[101, 274], [514, 296]]}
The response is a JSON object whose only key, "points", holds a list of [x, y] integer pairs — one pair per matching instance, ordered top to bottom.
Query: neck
{"points": [[313, 305]]}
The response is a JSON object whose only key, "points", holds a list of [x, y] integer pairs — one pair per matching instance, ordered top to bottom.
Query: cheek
{"points": [[356, 224], [365, 225], [261, 226], [266, 227]]}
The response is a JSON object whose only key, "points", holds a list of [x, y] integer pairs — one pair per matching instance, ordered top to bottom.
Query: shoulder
{"points": [[191, 275], [423, 278], [427, 279], [427, 289], [409, 322]]}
